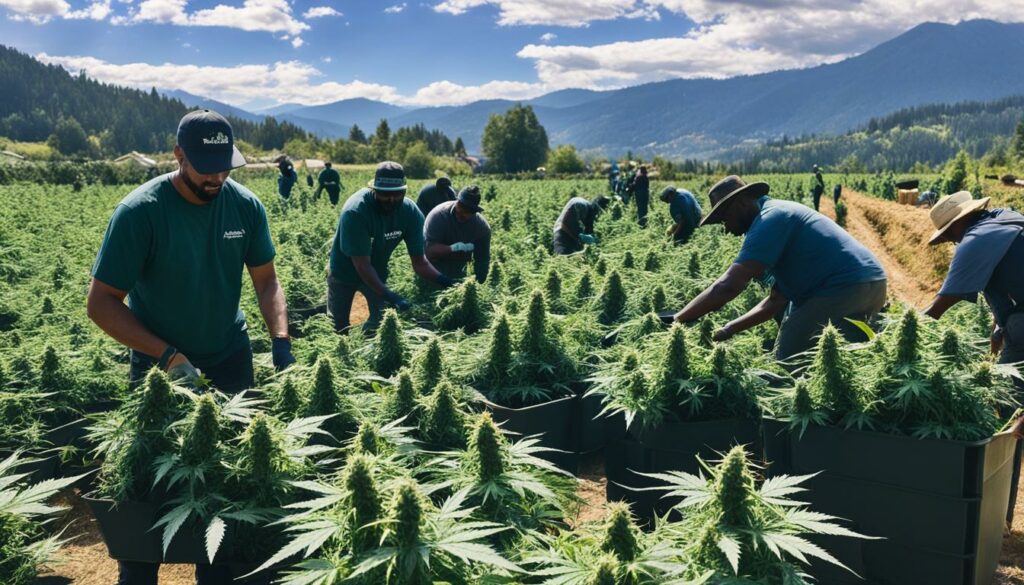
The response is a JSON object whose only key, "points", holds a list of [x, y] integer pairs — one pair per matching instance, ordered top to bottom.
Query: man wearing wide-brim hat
{"points": [[373, 222], [988, 259], [815, 265]]}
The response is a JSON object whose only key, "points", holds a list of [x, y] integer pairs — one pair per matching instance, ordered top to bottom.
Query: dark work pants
{"points": [[816, 194], [643, 200], [564, 244], [339, 305], [1013, 351], [231, 376]]}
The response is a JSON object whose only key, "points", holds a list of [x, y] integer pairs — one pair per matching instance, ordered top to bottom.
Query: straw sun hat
{"points": [[951, 208]]}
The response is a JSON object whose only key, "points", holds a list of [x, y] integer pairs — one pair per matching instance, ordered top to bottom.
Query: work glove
{"points": [[588, 239], [462, 247], [445, 282], [398, 301], [281, 352], [184, 372]]}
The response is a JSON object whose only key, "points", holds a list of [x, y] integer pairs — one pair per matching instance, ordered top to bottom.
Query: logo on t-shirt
{"points": [[218, 138], [234, 234], [393, 235]]}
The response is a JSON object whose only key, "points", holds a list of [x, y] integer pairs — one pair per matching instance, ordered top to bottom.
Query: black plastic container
{"points": [[557, 421], [672, 446], [939, 506]]}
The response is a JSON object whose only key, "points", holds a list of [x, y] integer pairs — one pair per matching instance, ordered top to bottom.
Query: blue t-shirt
{"points": [[685, 210], [809, 255], [989, 260]]}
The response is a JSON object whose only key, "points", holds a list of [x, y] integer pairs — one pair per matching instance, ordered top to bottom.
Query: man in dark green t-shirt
{"points": [[329, 180], [372, 223], [175, 248]]}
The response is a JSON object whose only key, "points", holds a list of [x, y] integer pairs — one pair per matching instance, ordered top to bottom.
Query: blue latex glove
{"points": [[588, 239], [462, 247], [445, 282], [398, 301], [281, 352]]}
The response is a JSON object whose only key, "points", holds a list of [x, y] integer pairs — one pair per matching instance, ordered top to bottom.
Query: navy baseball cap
{"points": [[208, 142]]}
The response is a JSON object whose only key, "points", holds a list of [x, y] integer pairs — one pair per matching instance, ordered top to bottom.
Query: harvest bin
{"points": [[557, 421], [672, 446], [939, 506], [127, 531]]}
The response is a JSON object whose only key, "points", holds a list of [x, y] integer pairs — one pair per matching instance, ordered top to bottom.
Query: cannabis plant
{"points": [[613, 299], [461, 308], [391, 352], [325, 400], [509, 481], [24, 508], [739, 529], [611, 551]]}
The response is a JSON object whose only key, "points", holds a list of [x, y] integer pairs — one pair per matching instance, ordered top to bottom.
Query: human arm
{"points": [[726, 288], [270, 297], [940, 304], [763, 312]]}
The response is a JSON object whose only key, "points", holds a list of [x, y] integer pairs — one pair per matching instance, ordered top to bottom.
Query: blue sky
{"points": [[258, 53]]}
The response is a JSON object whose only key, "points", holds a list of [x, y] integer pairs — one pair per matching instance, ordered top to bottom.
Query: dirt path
{"points": [[868, 220]]}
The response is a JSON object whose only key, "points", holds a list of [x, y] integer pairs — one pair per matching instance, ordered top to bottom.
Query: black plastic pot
{"points": [[556, 421], [672, 446], [939, 506], [126, 530]]}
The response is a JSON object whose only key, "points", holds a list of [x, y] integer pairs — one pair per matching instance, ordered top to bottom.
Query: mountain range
{"points": [[932, 63]]}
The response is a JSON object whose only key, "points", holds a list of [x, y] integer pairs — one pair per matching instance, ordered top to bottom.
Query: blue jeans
{"points": [[230, 376]]}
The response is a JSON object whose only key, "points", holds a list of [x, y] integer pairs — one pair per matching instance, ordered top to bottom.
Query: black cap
{"points": [[208, 142], [390, 176], [443, 181], [668, 193], [469, 197], [601, 201]]}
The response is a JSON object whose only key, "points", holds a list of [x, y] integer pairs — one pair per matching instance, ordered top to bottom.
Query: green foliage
{"points": [[515, 141], [563, 160], [956, 172], [613, 299], [462, 308], [391, 350], [499, 353], [429, 367], [324, 400], [288, 402], [443, 422], [485, 447], [620, 537]]}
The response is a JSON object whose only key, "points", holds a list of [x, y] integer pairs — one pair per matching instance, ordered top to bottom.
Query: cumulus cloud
{"points": [[396, 8], [38, 11], [95, 11], [320, 12], [574, 13], [273, 16], [548, 37], [734, 37], [298, 42], [290, 81], [284, 82]]}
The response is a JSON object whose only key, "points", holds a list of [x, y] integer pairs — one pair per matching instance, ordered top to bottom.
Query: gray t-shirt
{"points": [[577, 217], [443, 227], [988, 260]]}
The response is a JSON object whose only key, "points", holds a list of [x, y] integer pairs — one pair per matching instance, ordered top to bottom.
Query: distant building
{"points": [[136, 158]]}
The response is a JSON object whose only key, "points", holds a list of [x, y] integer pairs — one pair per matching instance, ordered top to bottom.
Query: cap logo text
{"points": [[218, 138]]}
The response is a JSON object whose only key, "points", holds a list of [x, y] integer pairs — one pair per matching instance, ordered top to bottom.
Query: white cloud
{"points": [[396, 8], [38, 11], [96, 11], [161, 11], [320, 11], [573, 13], [273, 16], [548, 37], [736, 37], [298, 42], [327, 59], [290, 81], [441, 93]]}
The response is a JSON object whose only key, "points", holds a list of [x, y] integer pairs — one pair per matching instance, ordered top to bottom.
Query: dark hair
{"points": [[327, 164], [643, 169], [443, 181], [601, 201]]}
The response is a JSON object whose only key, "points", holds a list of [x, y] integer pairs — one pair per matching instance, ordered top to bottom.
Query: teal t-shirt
{"points": [[364, 230], [809, 255], [181, 264]]}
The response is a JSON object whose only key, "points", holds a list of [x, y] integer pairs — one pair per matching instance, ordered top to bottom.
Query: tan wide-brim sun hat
{"points": [[725, 190], [951, 208]]}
